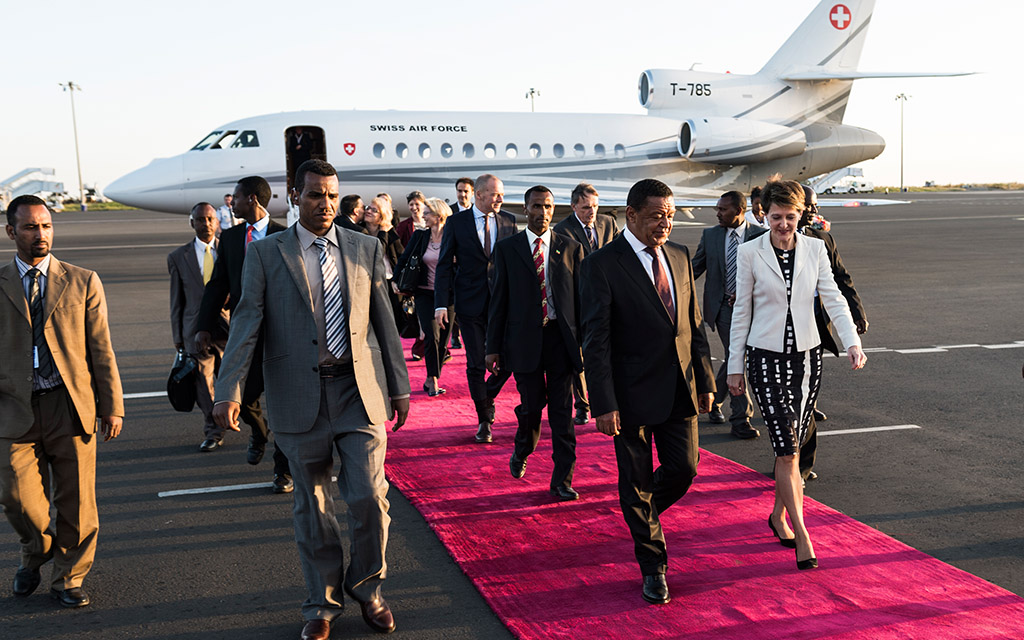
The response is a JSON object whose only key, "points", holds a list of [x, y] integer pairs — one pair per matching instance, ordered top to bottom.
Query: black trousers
{"points": [[435, 339], [551, 385], [483, 392], [252, 411], [645, 492]]}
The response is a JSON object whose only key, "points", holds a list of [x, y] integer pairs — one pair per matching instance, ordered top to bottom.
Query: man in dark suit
{"points": [[463, 200], [350, 213], [593, 230], [716, 255], [465, 266], [191, 267], [224, 290], [531, 331], [334, 366], [648, 368], [58, 375], [809, 449]]}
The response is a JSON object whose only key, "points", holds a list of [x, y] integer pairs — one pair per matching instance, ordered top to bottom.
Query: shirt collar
{"points": [[477, 213], [261, 224], [739, 231], [307, 237], [545, 238], [634, 242], [200, 245], [24, 267]]}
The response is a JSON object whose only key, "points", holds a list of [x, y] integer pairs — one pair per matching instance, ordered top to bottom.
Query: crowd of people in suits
{"points": [[589, 318]]}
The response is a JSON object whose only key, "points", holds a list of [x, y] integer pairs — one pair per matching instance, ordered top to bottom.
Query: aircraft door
{"points": [[303, 143]]}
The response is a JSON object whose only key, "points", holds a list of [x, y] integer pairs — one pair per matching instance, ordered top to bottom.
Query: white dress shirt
{"points": [[545, 243], [200, 248], [648, 261]]}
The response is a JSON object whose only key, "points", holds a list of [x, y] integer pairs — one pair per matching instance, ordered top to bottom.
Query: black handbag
{"points": [[408, 278], [181, 384]]}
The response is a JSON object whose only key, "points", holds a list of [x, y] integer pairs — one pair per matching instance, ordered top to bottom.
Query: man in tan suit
{"points": [[191, 267], [333, 363], [49, 401]]}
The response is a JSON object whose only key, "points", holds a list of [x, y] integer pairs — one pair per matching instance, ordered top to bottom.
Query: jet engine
{"points": [[738, 141]]}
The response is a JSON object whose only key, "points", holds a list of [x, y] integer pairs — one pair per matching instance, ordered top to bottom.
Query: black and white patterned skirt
{"points": [[786, 388]]}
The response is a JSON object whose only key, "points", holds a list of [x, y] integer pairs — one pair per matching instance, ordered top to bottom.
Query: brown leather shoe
{"points": [[376, 613], [318, 629]]}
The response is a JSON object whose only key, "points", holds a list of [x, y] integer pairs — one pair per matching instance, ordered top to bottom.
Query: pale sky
{"points": [[157, 77]]}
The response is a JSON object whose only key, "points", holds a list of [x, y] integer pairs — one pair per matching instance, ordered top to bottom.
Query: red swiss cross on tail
{"points": [[840, 16], [350, 148]]}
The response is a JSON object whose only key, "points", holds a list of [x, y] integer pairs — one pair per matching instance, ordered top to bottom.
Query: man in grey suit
{"points": [[593, 230], [716, 256], [191, 267], [333, 364]]}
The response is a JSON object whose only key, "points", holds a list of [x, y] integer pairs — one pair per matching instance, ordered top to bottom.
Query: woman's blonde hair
{"points": [[439, 208], [387, 213]]}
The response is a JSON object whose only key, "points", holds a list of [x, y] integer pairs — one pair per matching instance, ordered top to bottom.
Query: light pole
{"points": [[71, 88], [531, 94], [902, 98]]}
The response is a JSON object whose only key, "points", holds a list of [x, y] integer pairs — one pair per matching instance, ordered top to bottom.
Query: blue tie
{"points": [[334, 313]]}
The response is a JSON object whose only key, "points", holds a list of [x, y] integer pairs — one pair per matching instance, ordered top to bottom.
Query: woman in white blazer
{"points": [[775, 335]]}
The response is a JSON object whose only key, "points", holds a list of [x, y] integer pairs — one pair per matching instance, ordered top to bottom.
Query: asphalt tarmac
{"points": [[943, 271]]}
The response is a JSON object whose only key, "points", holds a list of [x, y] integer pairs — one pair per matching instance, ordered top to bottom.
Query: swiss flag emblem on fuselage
{"points": [[840, 16], [350, 148]]}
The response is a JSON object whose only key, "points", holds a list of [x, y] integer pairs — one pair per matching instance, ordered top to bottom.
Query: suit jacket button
{"points": [[314, 342]]}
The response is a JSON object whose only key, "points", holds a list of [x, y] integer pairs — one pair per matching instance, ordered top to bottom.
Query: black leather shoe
{"points": [[456, 343], [582, 416], [716, 416], [819, 416], [744, 431], [483, 433], [210, 444], [255, 452], [517, 466], [283, 484], [564, 493], [789, 543], [809, 563], [25, 581], [656, 589], [70, 598]]}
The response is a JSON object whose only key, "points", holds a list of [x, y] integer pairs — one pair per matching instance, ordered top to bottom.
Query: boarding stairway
{"points": [[31, 181], [826, 181]]}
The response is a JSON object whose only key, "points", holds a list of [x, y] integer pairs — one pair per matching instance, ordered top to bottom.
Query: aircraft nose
{"points": [[158, 186]]}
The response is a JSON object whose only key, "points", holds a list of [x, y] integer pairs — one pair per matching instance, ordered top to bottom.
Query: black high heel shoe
{"points": [[789, 543], [809, 563]]}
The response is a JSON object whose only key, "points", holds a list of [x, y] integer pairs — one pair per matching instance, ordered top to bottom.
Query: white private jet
{"points": [[704, 133]]}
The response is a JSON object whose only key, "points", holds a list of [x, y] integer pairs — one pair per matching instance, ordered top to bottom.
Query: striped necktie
{"points": [[590, 237], [538, 262], [730, 262], [207, 265], [661, 283], [35, 304], [334, 313]]}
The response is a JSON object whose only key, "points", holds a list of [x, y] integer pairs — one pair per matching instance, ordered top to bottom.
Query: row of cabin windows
{"points": [[403, 151]]}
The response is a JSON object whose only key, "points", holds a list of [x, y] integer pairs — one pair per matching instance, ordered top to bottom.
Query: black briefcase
{"points": [[181, 383]]}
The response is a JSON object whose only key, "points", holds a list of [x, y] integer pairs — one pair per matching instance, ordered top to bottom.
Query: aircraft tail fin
{"points": [[830, 38]]}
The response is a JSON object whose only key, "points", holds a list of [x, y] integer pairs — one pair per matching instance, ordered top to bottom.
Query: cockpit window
{"points": [[246, 139], [225, 140], [207, 141]]}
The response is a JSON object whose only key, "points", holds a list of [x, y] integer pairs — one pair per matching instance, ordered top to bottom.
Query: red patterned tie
{"points": [[248, 236], [538, 262], [661, 283]]}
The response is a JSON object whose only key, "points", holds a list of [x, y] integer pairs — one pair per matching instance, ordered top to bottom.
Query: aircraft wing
{"points": [[821, 75]]}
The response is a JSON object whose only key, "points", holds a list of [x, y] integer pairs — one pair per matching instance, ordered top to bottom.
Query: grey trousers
{"points": [[742, 406], [341, 427]]}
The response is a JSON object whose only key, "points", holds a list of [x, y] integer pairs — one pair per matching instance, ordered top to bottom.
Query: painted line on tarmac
{"points": [[936, 219], [1012, 345], [925, 350], [148, 394], [840, 432], [230, 487]]}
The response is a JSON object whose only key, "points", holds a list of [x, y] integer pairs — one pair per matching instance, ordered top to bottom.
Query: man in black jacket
{"points": [[224, 290], [531, 331]]}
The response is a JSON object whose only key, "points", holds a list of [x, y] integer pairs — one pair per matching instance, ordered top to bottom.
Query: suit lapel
{"points": [[578, 233], [803, 248], [525, 251], [291, 254], [767, 254], [630, 263], [191, 265], [348, 269], [680, 275], [558, 277], [56, 283], [11, 285]]}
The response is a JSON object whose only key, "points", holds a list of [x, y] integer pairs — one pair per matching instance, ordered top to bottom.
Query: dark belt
{"points": [[335, 370], [38, 393]]}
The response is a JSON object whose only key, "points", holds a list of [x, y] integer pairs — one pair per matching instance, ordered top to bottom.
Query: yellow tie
{"points": [[207, 265]]}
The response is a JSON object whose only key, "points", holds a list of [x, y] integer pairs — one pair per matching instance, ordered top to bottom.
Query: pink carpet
{"points": [[566, 570]]}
